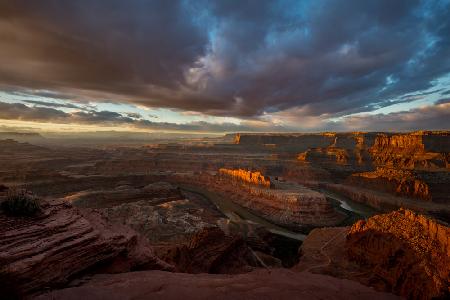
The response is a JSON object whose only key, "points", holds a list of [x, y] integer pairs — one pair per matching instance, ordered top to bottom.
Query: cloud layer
{"points": [[241, 59], [431, 117]]}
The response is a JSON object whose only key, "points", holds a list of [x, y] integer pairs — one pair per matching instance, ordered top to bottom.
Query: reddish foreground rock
{"points": [[47, 250], [410, 252], [260, 284]]}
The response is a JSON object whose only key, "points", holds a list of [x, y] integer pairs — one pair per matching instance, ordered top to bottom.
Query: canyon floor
{"points": [[271, 216]]}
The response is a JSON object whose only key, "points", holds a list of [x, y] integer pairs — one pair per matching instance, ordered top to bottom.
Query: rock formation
{"points": [[423, 150], [413, 165], [246, 176], [398, 181], [168, 222], [49, 249], [211, 251], [409, 252]]}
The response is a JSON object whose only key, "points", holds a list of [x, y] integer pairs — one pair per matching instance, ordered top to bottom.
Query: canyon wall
{"points": [[300, 141], [418, 150], [414, 165], [246, 176], [398, 181], [410, 252]]}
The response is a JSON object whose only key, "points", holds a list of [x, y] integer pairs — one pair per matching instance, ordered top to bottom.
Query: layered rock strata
{"points": [[418, 150], [398, 181], [49, 249]]}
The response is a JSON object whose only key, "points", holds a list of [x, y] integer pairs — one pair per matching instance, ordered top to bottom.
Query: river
{"points": [[362, 210], [239, 214]]}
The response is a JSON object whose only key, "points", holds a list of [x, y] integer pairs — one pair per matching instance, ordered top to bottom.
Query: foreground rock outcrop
{"points": [[49, 249], [211, 251], [409, 252], [260, 284]]}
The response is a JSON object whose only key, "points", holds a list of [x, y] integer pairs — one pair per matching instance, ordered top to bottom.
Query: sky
{"points": [[224, 66]]}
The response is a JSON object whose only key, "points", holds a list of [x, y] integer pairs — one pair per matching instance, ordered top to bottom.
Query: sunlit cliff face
{"points": [[221, 66]]}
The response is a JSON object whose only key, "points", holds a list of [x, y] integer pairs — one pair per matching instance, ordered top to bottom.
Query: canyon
{"points": [[320, 215]]}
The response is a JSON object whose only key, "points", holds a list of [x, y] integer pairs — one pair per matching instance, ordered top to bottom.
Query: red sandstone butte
{"points": [[255, 178]]}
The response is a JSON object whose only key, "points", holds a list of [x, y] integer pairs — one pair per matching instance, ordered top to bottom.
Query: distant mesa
{"points": [[20, 136]]}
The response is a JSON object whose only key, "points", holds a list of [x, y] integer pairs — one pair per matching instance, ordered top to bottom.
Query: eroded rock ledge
{"points": [[47, 250]]}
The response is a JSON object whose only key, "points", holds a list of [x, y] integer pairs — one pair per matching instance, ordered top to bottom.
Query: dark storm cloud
{"points": [[234, 58], [443, 101], [17, 111], [431, 117]]}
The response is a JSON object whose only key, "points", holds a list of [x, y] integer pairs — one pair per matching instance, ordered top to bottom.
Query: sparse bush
{"points": [[20, 203]]}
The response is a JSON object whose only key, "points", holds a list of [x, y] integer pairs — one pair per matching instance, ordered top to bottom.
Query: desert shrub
{"points": [[20, 203]]}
